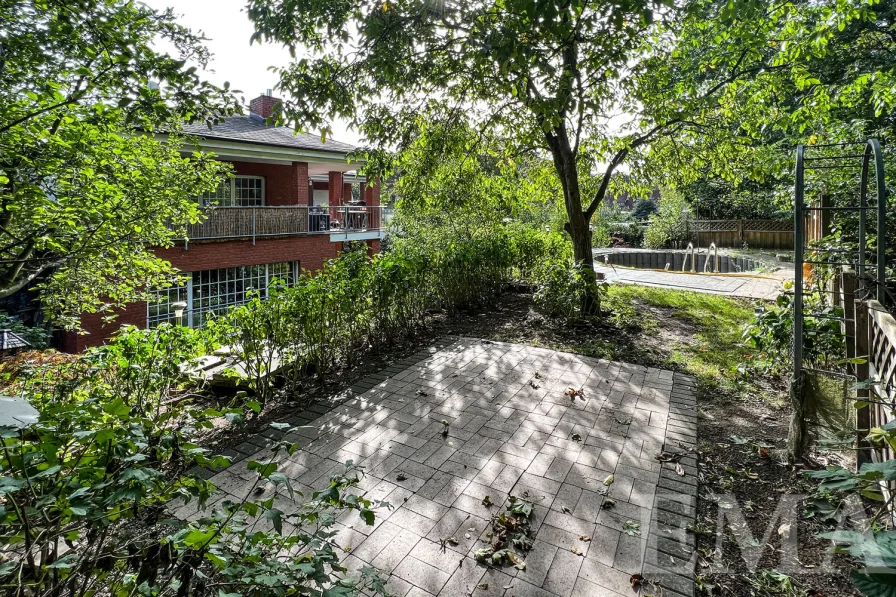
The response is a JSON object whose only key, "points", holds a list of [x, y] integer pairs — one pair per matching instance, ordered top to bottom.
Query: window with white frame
{"points": [[238, 191], [211, 292], [161, 309]]}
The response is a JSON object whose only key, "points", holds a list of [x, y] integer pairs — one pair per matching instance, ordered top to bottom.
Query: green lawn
{"points": [[688, 331]]}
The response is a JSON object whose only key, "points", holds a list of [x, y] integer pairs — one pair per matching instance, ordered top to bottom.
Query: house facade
{"points": [[292, 204]]}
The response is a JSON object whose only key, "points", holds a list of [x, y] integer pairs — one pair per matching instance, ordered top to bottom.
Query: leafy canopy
{"points": [[83, 191]]}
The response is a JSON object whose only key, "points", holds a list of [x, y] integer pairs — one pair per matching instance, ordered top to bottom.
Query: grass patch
{"points": [[712, 351]]}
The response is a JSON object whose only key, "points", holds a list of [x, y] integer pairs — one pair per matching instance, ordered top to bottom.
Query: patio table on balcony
{"points": [[357, 218]]}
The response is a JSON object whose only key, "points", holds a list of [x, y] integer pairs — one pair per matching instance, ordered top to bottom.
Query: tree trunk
{"points": [[577, 224]]}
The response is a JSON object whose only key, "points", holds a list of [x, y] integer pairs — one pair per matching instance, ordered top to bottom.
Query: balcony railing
{"points": [[263, 222]]}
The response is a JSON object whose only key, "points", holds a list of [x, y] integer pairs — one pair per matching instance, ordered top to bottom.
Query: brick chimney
{"points": [[263, 105]]}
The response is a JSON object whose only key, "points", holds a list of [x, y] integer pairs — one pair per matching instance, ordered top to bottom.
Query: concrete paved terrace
{"points": [[512, 431]]}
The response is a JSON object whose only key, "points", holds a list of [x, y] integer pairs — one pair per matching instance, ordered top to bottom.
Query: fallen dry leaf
{"points": [[668, 457], [679, 470], [609, 480], [585, 538], [577, 551], [636, 580]]}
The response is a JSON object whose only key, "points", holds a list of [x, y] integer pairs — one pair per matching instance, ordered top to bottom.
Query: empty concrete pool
{"points": [[680, 261]]}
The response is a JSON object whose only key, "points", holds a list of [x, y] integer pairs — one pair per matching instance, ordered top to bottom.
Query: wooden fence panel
{"points": [[757, 234], [879, 345]]}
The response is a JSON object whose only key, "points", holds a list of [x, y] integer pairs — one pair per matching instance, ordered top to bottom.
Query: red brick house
{"points": [[292, 204]]}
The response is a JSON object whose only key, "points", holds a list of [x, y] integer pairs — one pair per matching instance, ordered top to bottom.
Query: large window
{"points": [[239, 191], [211, 292]]}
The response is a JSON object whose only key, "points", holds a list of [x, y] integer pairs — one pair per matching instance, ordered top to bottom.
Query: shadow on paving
{"points": [[605, 508]]}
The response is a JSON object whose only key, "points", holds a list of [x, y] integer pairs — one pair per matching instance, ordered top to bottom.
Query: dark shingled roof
{"points": [[253, 129], [10, 340]]}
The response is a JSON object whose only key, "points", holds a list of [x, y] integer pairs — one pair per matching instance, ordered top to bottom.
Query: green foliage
{"points": [[789, 72], [85, 188], [718, 199], [643, 209], [669, 226], [563, 287], [327, 319], [771, 334], [37, 338], [85, 494], [873, 548]]}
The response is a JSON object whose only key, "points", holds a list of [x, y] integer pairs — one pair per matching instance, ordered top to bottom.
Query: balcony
{"points": [[345, 223]]}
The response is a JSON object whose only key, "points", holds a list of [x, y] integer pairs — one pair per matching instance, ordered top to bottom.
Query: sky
{"points": [[245, 66]]}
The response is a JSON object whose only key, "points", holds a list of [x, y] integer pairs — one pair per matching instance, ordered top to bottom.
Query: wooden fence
{"points": [[756, 234], [875, 342]]}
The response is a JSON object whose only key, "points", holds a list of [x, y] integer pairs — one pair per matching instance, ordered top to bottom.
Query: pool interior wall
{"points": [[728, 264]]}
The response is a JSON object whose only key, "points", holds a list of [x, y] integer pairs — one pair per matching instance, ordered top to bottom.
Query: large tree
{"points": [[565, 76], [594, 83], [85, 189]]}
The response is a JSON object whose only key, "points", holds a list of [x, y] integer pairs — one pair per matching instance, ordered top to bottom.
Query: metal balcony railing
{"points": [[272, 221]]}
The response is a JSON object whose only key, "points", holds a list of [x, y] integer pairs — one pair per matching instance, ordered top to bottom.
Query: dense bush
{"points": [[643, 209], [669, 226], [562, 289], [326, 319], [771, 334], [85, 494]]}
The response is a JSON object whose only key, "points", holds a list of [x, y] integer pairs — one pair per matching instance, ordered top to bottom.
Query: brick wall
{"points": [[299, 180], [283, 185], [372, 194], [310, 251], [99, 332]]}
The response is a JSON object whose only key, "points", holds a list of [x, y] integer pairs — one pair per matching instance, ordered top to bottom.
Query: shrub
{"points": [[643, 209], [669, 226], [563, 288], [771, 333], [85, 493]]}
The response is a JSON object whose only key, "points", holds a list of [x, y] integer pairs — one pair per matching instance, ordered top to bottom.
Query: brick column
{"points": [[299, 183], [335, 189], [346, 192], [372, 194], [334, 197]]}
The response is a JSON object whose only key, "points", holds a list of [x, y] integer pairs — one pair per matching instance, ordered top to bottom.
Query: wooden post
{"points": [[740, 233], [848, 284], [862, 350]]}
